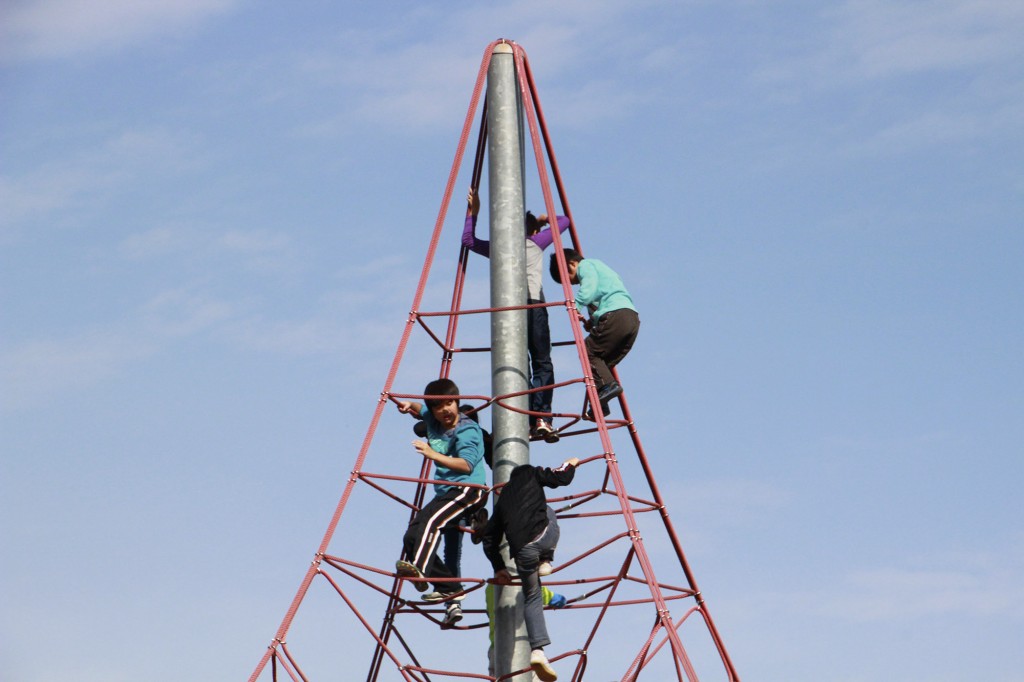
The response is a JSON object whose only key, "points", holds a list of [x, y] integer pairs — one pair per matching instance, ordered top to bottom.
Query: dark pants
{"points": [[609, 341], [542, 371], [424, 533], [453, 538], [527, 561]]}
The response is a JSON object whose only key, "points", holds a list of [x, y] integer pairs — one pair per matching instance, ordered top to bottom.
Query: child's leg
{"points": [[627, 323], [609, 342], [542, 371], [424, 533], [452, 549], [527, 561], [533, 607]]}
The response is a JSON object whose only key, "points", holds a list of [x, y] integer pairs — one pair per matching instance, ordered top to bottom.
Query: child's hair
{"points": [[532, 224], [571, 256], [440, 387]]}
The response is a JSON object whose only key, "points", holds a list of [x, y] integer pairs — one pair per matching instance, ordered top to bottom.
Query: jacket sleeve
{"points": [[544, 238], [470, 240], [469, 444], [554, 478], [492, 534]]}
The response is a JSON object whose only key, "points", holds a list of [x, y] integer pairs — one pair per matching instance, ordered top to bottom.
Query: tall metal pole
{"points": [[509, 374]]}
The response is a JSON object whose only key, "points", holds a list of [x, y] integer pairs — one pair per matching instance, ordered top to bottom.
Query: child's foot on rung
{"points": [[543, 429], [406, 570], [435, 597], [452, 615], [541, 668]]}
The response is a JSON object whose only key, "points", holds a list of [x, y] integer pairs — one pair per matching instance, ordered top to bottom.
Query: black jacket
{"points": [[520, 512]]}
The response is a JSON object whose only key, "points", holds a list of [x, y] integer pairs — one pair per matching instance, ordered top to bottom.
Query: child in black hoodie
{"points": [[522, 514]]}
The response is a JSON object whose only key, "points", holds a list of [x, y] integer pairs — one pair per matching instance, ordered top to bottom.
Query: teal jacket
{"points": [[601, 289], [466, 441]]}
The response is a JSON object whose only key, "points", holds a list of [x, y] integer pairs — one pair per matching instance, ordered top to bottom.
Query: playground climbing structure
{"points": [[354, 618]]}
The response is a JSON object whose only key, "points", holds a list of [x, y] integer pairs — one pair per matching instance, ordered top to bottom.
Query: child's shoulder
{"points": [[466, 426]]}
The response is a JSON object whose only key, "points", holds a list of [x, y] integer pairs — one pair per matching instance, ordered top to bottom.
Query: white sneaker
{"points": [[544, 430], [545, 569], [434, 597], [452, 615], [541, 668]]}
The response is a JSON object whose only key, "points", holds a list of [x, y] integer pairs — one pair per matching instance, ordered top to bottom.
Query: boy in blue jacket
{"points": [[613, 322], [455, 444]]}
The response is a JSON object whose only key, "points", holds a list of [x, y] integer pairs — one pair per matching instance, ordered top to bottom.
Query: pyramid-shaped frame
{"points": [[620, 621]]}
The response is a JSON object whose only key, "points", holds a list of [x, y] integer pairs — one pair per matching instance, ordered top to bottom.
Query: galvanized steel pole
{"points": [[509, 373]]}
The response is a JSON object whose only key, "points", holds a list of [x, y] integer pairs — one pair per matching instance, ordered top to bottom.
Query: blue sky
{"points": [[213, 214]]}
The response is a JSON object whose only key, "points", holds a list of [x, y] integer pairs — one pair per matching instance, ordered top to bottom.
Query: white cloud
{"points": [[33, 29], [876, 38], [868, 40], [917, 75], [413, 78], [590, 103], [975, 120], [50, 190], [55, 190], [253, 241], [157, 242], [259, 250], [262, 251], [380, 267], [181, 312], [296, 337], [39, 369], [36, 370], [732, 502], [886, 594]]}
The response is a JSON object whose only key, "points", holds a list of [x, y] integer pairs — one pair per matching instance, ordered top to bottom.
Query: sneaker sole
{"points": [[406, 570], [438, 597], [450, 622], [543, 672]]}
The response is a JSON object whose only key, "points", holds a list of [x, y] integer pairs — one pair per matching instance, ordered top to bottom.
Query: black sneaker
{"points": [[608, 392], [605, 395], [605, 410], [477, 524], [452, 615]]}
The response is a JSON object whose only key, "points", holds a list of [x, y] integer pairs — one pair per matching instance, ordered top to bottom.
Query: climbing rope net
{"points": [[619, 620]]}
